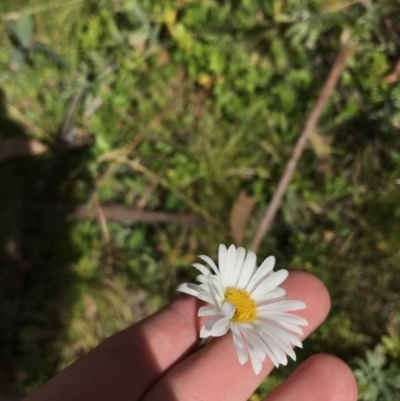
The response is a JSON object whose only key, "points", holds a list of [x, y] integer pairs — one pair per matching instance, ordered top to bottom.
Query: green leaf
{"points": [[12, 28], [24, 30], [52, 55], [17, 59]]}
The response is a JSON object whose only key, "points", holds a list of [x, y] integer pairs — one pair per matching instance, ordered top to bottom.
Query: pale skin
{"points": [[159, 359]]}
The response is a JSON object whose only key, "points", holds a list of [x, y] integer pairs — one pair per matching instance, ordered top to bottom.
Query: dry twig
{"points": [[336, 71], [123, 214]]}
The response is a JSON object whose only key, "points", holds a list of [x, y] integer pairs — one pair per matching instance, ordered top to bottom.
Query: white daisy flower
{"points": [[248, 301]]}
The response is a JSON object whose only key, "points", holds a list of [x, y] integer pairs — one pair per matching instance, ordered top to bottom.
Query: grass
{"points": [[209, 98]]}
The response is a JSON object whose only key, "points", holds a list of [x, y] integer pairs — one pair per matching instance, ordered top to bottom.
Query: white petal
{"points": [[222, 253], [240, 255], [222, 259], [208, 260], [249, 266], [229, 267], [203, 269], [262, 272], [201, 278], [273, 281], [215, 283], [211, 286], [189, 288], [210, 292], [214, 295], [205, 296], [272, 296], [282, 306], [228, 310], [208, 311], [289, 318], [208, 325], [215, 326], [220, 327], [292, 327], [277, 330], [236, 331], [204, 333], [255, 343], [278, 346], [284, 346], [240, 347], [255, 348], [260, 349], [274, 352], [279, 352], [241, 353], [271, 355], [256, 361], [283, 361]]}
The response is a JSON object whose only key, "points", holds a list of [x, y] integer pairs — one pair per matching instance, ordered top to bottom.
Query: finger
{"points": [[125, 365], [214, 373], [321, 377]]}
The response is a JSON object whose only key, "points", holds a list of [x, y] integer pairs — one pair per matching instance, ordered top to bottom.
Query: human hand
{"points": [[159, 359]]}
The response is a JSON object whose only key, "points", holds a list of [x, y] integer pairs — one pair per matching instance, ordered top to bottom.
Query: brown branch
{"points": [[309, 127], [65, 130], [123, 214]]}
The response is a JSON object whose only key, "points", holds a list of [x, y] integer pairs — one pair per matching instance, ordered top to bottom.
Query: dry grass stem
{"points": [[32, 127]]}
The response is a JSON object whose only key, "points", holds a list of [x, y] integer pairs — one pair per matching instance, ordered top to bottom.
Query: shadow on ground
{"points": [[36, 253]]}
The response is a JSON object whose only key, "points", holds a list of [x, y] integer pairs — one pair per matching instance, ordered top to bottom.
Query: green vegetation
{"points": [[181, 105]]}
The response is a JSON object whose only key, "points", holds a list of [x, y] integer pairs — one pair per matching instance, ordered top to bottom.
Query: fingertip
{"points": [[334, 375], [320, 377], [346, 384]]}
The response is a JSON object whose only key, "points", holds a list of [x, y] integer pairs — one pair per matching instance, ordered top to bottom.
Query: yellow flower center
{"points": [[246, 309]]}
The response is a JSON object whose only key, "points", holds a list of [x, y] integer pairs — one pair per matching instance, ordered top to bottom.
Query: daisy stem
{"points": [[204, 341]]}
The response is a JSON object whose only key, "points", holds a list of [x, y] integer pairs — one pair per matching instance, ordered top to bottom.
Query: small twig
{"points": [[66, 126], [309, 127]]}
